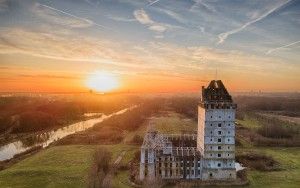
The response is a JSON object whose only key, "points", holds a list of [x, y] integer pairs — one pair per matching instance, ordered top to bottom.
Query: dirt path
{"points": [[108, 178]]}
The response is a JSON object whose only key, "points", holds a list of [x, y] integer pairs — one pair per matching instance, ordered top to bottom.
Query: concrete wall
{"points": [[218, 126], [218, 174]]}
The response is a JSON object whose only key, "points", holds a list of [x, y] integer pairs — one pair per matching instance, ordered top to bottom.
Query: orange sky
{"points": [[54, 47]]}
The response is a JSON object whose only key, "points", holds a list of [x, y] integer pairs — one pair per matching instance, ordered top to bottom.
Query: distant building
{"points": [[209, 155]]}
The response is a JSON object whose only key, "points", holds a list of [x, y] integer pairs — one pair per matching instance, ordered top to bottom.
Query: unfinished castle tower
{"points": [[216, 132], [209, 155]]}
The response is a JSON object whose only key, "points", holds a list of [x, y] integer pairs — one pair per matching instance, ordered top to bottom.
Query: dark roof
{"points": [[215, 92]]}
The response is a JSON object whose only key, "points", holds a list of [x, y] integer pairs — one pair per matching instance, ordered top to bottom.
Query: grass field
{"points": [[249, 122], [173, 123], [60, 166], [67, 166], [288, 176]]}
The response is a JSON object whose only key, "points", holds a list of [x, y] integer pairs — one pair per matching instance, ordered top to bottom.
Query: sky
{"points": [[150, 45]]}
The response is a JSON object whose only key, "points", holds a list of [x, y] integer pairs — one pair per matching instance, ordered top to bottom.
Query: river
{"points": [[9, 150]]}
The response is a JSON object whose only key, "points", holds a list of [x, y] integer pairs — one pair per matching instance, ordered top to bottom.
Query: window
{"points": [[210, 116], [219, 116], [228, 116], [211, 124], [228, 124], [219, 125], [210, 132], [219, 132], [228, 132], [211, 139], [228, 139], [219, 140], [210, 147], [219, 147], [228, 147], [219, 154], [228, 154], [211, 155], [159, 164], [170, 164], [219, 164], [229, 164], [159, 171], [192, 171], [198, 171], [230, 174], [210, 175]]}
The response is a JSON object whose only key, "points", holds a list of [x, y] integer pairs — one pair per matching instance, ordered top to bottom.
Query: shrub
{"points": [[34, 121], [257, 161], [99, 168]]}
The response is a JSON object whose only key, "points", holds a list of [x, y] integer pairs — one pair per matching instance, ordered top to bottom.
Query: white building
{"points": [[216, 132], [209, 155]]}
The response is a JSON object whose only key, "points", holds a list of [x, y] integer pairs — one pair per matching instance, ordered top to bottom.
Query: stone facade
{"points": [[209, 155]]}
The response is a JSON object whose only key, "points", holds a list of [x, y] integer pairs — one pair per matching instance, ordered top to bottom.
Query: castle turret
{"points": [[216, 132]]}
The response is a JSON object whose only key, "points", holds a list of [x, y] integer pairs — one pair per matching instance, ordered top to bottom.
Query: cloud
{"points": [[153, 2], [201, 3], [3, 6], [173, 15], [59, 17], [142, 17], [64, 18], [121, 19], [145, 19], [158, 28], [223, 36], [66, 47], [282, 47], [201, 58], [47, 76]]}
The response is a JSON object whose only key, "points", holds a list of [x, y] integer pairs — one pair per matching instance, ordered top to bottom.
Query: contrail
{"points": [[153, 2], [74, 16], [223, 36], [281, 47]]}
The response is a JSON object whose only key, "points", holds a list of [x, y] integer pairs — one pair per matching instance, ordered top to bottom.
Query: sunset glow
{"points": [[51, 46], [102, 81]]}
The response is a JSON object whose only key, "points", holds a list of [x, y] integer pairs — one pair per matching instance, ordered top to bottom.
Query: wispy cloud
{"points": [[153, 2], [201, 3], [3, 6], [121, 19], [145, 19], [84, 22], [223, 36], [66, 47], [282, 47], [48, 76]]}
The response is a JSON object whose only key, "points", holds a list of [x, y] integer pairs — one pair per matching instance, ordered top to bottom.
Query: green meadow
{"points": [[68, 165]]}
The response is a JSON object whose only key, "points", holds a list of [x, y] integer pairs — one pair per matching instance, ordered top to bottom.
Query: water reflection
{"points": [[44, 139]]}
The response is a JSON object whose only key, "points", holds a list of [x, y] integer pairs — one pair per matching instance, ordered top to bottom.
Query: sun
{"points": [[102, 81]]}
